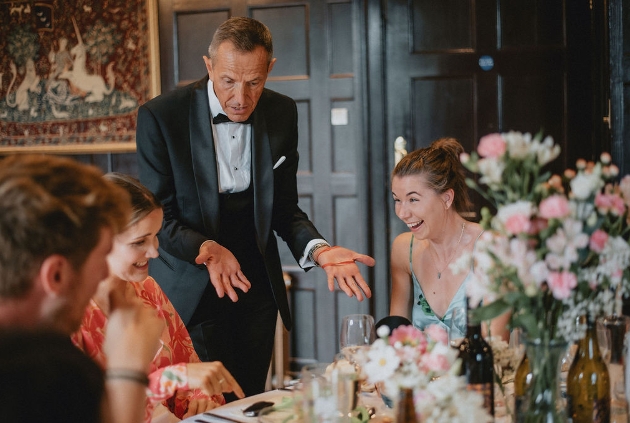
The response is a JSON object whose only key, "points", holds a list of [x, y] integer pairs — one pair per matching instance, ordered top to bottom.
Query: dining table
{"points": [[284, 410], [233, 411]]}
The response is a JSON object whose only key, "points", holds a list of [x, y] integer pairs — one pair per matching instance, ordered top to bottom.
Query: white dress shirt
{"points": [[233, 148]]}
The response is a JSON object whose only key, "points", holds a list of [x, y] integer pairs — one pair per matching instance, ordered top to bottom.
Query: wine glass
{"points": [[457, 326], [357, 332]]}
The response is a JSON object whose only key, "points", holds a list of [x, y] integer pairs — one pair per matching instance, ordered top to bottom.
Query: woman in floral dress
{"points": [[180, 385]]}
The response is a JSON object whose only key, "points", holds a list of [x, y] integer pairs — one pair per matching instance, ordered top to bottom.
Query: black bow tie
{"points": [[221, 118]]}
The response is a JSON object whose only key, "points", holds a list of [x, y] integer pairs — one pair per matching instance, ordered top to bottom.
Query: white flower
{"points": [[518, 145], [547, 151], [491, 171], [584, 185], [563, 245], [540, 272], [382, 331], [382, 362], [446, 400]]}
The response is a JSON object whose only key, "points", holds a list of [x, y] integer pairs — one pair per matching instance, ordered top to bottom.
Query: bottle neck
{"points": [[473, 330], [588, 346]]}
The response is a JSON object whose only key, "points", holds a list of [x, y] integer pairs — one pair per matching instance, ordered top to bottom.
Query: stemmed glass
{"points": [[357, 332], [356, 335]]}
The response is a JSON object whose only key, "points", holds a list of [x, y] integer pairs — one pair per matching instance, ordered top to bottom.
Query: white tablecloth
{"points": [[233, 411]]}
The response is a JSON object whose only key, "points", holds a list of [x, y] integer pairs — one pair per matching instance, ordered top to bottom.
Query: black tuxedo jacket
{"points": [[176, 160]]}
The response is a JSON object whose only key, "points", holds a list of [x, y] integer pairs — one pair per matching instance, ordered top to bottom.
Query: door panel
{"points": [[317, 53], [475, 67]]}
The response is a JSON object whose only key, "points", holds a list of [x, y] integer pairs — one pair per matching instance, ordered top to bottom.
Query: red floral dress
{"points": [[168, 380]]}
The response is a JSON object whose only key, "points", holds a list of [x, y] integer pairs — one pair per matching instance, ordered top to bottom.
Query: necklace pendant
{"points": [[439, 275]]}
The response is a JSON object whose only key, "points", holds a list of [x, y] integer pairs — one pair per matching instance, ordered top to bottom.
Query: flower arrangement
{"points": [[557, 246], [423, 361]]}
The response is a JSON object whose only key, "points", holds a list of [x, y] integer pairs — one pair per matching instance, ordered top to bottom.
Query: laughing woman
{"points": [[431, 198], [180, 385]]}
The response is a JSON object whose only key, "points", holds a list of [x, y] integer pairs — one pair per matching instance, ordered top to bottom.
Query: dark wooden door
{"points": [[318, 50], [468, 68]]}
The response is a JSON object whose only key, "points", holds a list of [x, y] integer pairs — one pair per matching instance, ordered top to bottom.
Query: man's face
{"points": [[238, 78], [84, 282]]}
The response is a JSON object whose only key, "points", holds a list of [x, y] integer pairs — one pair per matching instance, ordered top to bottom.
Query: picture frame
{"points": [[73, 73]]}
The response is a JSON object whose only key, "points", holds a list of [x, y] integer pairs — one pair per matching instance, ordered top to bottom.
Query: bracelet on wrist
{"points": [[316, 247], [127, 374]]}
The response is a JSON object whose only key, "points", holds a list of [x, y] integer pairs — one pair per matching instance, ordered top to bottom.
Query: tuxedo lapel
{"points": [[203, 157], [262, 179]]}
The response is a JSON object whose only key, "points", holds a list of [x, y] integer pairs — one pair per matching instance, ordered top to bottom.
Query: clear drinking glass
{"points": [[357, 332], [328, 393]]}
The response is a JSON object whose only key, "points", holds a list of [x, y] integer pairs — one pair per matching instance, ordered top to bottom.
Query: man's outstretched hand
{"points": [[340, 263]]}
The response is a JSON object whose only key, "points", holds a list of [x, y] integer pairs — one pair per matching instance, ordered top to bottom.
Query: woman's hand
{"points": [[212, 378], [199, 405]]}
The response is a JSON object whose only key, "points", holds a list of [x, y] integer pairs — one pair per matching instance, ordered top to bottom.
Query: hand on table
{"points": [[340, 263], [224, 270], [212, 378], [198, 406]]}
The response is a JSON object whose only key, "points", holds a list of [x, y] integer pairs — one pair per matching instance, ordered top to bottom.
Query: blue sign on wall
{"points": [[486, 62]]}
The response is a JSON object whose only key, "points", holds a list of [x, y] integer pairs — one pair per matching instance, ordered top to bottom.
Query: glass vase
{"points": [[543, 402]]}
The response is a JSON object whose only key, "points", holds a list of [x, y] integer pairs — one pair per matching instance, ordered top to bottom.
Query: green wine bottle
{"points": [[478, 363], [522, 378], [588, 381]]}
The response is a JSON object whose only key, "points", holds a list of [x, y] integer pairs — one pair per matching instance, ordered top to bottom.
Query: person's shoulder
{"points": [[179, 94], [404, 238], [402, 243]]}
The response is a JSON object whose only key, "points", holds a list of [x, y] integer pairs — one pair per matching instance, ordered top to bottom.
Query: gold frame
{"points": [[98, 143]]}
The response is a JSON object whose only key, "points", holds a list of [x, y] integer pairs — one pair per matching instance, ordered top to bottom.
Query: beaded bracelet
{"points": [[341, 263], [128, 374]]}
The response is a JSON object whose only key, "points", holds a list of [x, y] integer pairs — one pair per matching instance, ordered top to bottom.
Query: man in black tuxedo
{"points": [[221, 154]]}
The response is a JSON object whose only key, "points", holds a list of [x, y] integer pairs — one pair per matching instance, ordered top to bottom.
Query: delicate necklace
{"points": [[439, 273]]}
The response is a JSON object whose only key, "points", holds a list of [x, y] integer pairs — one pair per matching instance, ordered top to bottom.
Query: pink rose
{"points": [[491, 145], [603, 202], [618, 206], [554, 207], [518, 223], [598, 241], [561, 284], [437, 334], [407, 335], [435, 363]]}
